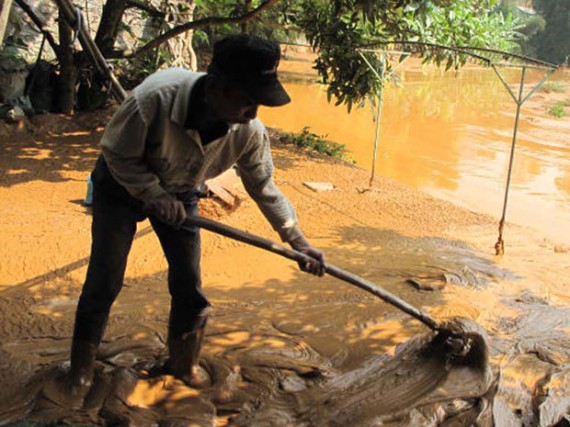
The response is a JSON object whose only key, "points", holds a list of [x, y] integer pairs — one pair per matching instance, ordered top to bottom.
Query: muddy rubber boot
{"points": [[184, 353], [82, 368], [69, 389]]}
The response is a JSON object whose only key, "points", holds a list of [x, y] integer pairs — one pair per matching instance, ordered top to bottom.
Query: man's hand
{"points": [[166, 209], [315, 266]]}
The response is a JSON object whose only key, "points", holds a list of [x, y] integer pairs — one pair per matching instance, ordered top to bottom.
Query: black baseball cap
{"points": [[252, 63]]}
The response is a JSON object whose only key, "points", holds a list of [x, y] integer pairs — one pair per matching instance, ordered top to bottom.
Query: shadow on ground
{"points": [[267, 341]]}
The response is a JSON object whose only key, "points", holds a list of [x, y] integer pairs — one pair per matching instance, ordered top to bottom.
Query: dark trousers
{"points": [[115, 217]]}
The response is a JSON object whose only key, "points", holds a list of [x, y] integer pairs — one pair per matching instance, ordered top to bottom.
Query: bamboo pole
{"points": [[71, 14]]}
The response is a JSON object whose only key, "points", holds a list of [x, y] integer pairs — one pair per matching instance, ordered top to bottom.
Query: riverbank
{"points": [[450, 134], [278, 338]]}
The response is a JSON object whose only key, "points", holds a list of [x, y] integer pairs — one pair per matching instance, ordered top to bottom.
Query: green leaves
{"points": [[412, 7], [337, 29], [552, 43], [311, 141]]}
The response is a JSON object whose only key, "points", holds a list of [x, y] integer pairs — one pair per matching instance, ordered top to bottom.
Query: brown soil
{"points": [[283, 347]]}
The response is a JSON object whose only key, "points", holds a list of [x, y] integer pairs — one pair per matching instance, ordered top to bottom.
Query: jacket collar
{"points": [[180, 108]]}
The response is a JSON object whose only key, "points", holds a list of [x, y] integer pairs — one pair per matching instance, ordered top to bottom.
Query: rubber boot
{"points": [[184, 353], [82, 368], [70, 389]]}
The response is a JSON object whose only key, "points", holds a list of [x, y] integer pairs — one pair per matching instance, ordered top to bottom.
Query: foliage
{"points": [[212, 20], [275, 24], [460, 24], [528, 24], [532, 26], [338, 28], [546, 31], [553, 44], [11, 58], [133, 71], [549, 87], [557, 110], [312, 141]]}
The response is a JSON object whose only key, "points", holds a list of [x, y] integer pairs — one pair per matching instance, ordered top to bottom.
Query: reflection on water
{"points": [[448, 134]]}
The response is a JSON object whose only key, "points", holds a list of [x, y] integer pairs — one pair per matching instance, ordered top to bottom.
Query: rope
{"points": [[78, 23]]}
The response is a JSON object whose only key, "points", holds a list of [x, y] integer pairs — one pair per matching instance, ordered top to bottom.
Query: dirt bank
{"points": [[283, 348]]}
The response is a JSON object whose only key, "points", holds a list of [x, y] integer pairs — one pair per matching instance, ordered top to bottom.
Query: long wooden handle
{"points": [[260, 242]]}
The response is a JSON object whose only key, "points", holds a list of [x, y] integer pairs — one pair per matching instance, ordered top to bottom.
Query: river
{"points": [[449, 134]]}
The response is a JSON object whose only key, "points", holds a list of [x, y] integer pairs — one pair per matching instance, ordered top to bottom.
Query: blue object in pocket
{"points": [[88, 201]]}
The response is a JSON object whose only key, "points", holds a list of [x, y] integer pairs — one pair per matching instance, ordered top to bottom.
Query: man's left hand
{"points": [[317, 265]]}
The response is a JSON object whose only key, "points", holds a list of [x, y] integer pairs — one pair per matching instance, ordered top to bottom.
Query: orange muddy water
{"points": [[450, 134], [283, 348]]}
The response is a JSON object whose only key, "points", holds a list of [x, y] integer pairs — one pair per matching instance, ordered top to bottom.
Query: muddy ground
{"points": [[282, 347]]}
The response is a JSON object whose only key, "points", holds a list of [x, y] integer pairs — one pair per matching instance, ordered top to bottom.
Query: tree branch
{"points": [[138, 4], [200, 23], [40, 24], [276, 25]]}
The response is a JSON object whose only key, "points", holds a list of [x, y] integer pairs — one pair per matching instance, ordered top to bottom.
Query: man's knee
{"points": [[98, 300]]}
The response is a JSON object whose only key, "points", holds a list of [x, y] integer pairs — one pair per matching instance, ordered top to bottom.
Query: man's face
{"points": [[233, 105]]}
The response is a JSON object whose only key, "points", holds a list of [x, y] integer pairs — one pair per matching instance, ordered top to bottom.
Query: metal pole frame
{"points": [[530, 63], [382, 77], [519, 101]]}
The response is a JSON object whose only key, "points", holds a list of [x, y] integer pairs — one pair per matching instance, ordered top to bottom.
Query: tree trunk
{"points": [[5, 6], [247, 9], [200, 23], [109, 25], [180, 48], [68, 70]]}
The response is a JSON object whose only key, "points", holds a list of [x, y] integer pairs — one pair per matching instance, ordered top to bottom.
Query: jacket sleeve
{"points": [[123, 146], [256, 170]]}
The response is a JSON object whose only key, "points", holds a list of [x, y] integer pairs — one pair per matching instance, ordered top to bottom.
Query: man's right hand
{"points": [[166, 209], [317, 265]]}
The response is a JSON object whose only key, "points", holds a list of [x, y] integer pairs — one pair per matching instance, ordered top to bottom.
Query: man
{"points": [[175, 130]]}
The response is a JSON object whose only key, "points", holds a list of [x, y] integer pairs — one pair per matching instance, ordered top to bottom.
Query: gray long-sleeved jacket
{"points": [[150, 152]]}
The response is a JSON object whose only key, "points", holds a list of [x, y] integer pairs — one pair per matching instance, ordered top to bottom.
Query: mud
{"points": [[282, 347], [421, 377], [284, 386]]}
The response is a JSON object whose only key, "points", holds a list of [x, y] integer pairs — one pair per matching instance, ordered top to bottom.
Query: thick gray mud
{"points": [[332, 358], [422, 379], [534, 381], [284, 387]]}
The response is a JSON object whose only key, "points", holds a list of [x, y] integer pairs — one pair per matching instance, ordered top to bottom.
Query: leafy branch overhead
{"points": [[200, 23], [337, 28]]}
